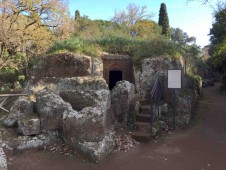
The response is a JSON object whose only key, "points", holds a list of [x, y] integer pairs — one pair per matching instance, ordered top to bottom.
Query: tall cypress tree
{"points": [[77, 15], [164, 20]]}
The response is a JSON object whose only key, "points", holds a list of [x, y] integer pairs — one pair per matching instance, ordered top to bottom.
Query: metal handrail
{"points": [[156, 98]]}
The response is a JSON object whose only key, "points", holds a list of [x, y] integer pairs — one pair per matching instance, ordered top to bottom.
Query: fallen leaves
{"points": [[125, 143], [60, 147]]}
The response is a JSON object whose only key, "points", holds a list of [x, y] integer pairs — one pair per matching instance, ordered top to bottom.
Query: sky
{"points": [[194, 18]]}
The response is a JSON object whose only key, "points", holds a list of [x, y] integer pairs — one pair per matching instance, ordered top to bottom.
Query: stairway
{"points": [[142, 130]]}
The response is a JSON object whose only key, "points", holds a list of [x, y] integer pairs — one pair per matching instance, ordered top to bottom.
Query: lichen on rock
{"points": [[151, 68], [82, 83], [122, 98], [81, 99], [21, 108], [52, 108], [29, 126], [90, 127], [39, 141], [97, 151], [3, 160]]}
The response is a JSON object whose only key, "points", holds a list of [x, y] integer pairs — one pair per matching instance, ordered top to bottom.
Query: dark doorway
{"points": [[114, 77]]}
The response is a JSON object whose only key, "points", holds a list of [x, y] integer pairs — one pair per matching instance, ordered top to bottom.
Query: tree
{"points": [[204, 2], [215, 4], [77, 15], [129, 17], [164, 20], [29, 26], [85, 27], [147, 29], [180, 37], [218, 40], [187, 47], [217, 48]]}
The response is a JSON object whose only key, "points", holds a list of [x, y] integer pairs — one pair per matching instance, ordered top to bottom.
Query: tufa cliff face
{"points": [[67, 65]]}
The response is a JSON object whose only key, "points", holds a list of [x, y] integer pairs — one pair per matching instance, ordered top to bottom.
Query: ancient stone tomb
{"points": [[70, 98]]}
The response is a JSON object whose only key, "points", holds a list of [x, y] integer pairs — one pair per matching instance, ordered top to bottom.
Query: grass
{"points": [[75, 45], [137, 48]]}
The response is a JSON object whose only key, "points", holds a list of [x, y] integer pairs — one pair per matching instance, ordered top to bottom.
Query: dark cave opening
{"points": [[114, 77]]}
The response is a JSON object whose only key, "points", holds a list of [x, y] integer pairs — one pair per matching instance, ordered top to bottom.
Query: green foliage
{"points": [[77, 15], [164, 20], [106, 25], [86, 28], [218, 30], [180, 37], [218, 40], [117, 42], [113, 43], [75, 45], [218, 45], [137, 48], [153, 48], [34, 61], [8, 75], [21, 78], [196, 79]]}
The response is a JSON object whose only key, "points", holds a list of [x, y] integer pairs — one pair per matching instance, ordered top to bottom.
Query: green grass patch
{"points": [[75, 45]]}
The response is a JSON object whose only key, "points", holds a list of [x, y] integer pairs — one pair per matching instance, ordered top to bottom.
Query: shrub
{"points": [[153, 48], [8, 75], [21, 78], [196, 79]]}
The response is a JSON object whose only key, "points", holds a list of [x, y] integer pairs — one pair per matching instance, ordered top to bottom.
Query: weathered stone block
{"points": [[62, 65], [67, 65], [151, 68], [82, 84], [122, 96], [81, 99], [184, 105], [21, 108], [51, 108], [29, 126], [89, 127], [35, 142], [97, 151]]}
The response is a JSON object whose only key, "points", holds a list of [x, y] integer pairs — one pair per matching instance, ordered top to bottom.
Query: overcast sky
{"points": [[193, 18]]}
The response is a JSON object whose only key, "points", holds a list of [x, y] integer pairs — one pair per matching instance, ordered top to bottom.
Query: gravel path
{"points": [[202, 147]]}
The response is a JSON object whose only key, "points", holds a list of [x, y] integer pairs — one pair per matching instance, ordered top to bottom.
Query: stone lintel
{"points": [[107, 56]]}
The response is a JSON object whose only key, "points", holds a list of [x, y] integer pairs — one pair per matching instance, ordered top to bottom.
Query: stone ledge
{"points": [[107, 56]]}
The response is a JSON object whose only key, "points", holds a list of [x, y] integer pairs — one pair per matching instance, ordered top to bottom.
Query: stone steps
{"points": [[143, 102], [145, 109], [143, 117], [142, 130], [141, 136]]}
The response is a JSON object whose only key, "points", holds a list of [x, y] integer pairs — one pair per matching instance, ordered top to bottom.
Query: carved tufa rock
{"points": [[21, 108], [29, 126]]}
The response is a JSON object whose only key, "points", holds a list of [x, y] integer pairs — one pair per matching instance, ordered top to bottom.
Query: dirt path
{"points": [[203, 147]]}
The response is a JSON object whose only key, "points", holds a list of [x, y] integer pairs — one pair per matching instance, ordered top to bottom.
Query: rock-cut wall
{"points": [[67, 65]]}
